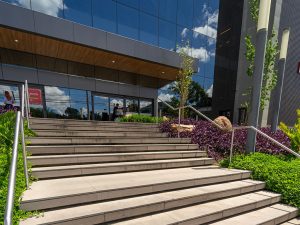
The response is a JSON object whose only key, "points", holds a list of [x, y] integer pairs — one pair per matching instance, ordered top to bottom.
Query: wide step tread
{"points": [[136, 134], [105, 140], [83, 149], [49, 160], [120, 167], [77, 190], [137, 206], [208, 212], [275, 214]]}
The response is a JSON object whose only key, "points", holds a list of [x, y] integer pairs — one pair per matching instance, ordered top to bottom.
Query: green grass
{"points": [[140, 119], [7, 125], [281, 174]]}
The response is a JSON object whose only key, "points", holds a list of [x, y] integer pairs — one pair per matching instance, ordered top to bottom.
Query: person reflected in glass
{"points": [[8, 101], [115, 112]]}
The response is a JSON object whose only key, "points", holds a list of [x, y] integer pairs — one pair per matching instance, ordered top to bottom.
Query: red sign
{"points": [[35, 96]]}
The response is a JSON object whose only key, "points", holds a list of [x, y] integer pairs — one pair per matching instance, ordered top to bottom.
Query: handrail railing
{"points": [[192, 108], [19, 127], [233, 129]]}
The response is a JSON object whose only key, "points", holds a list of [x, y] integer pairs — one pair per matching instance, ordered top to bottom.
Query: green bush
{"points": [[140, 119], [7, 126], [293, 133], [281, 174]]}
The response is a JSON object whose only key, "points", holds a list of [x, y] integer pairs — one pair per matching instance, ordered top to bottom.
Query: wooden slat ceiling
{"points": [[41, 45]]}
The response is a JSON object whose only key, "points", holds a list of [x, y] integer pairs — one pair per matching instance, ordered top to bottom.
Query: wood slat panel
{"points": [[46, 46]]}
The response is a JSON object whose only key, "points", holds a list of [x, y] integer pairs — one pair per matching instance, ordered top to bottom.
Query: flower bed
{"points": [[217, 142]]}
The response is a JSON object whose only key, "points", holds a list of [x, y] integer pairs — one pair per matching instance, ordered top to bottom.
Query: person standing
{"points": [[8, 101]]}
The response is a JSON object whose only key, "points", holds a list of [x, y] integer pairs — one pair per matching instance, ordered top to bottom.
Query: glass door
{"points": [[100, 108], [117, 108]]}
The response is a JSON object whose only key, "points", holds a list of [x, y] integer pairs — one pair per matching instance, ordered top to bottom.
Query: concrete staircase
{"points": [[117, 173]]}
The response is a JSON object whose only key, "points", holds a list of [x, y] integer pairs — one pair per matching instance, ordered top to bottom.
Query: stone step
{"points": [[67, 122], [92, 128], [59, 133], [106, 140], [85, 149], [50, 160], [119, 167], [47, 194], [137, 206], [208, 212], [274, 214], [295, 221]]}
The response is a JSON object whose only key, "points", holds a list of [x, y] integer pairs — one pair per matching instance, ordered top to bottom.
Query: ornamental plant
{"points": [[7, 126], [293, 133], [217, 142], [281, 174]]}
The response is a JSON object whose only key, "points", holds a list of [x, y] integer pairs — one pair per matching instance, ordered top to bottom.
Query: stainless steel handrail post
{"points": [[27, 103], [179, 120], [23, 138], [231, 146], [12, 174]]}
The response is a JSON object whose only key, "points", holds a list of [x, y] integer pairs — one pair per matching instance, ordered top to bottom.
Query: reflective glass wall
{"points": [[163, 23]]}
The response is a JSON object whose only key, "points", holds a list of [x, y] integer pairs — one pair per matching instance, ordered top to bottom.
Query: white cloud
{"points": [[49, 7], [213, 18], [209, 29], [206, 30], [184, 32], [200, 53], [209, 91], [165, 97], [57, 100]]}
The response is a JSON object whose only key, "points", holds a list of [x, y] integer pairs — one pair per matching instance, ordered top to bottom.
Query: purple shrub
{"points": [[217, 142]]}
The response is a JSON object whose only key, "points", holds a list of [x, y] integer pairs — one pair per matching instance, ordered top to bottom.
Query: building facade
{"points": [[284, 14], [81, 58]]}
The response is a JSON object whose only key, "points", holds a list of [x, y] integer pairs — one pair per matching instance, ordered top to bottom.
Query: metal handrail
{"points": [[192, 108], [19, 127], [233, 129]]}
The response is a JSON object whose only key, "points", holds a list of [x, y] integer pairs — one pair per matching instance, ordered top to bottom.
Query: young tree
{"points": [[184, 78]]}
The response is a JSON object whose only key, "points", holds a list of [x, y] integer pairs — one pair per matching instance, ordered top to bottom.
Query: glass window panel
{"points": [[23, 3], [132, 3], [150, 6], [52, 8], [168, 10], [78, 11], [185, 13], [104, 15], [200, 16], [128, 21], [212, 21], [148, 29], [167, 35], [184, 36], [199, 51], [210, 67], [199, 79], [208, 84], [13, 91], [36, 101], [57, 101], [78, 105], [132, 106], [116, 107], [146, 107], [101, 108]]}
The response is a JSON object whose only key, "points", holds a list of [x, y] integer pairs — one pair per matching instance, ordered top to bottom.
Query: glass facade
{"points": [[163, 23]]}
